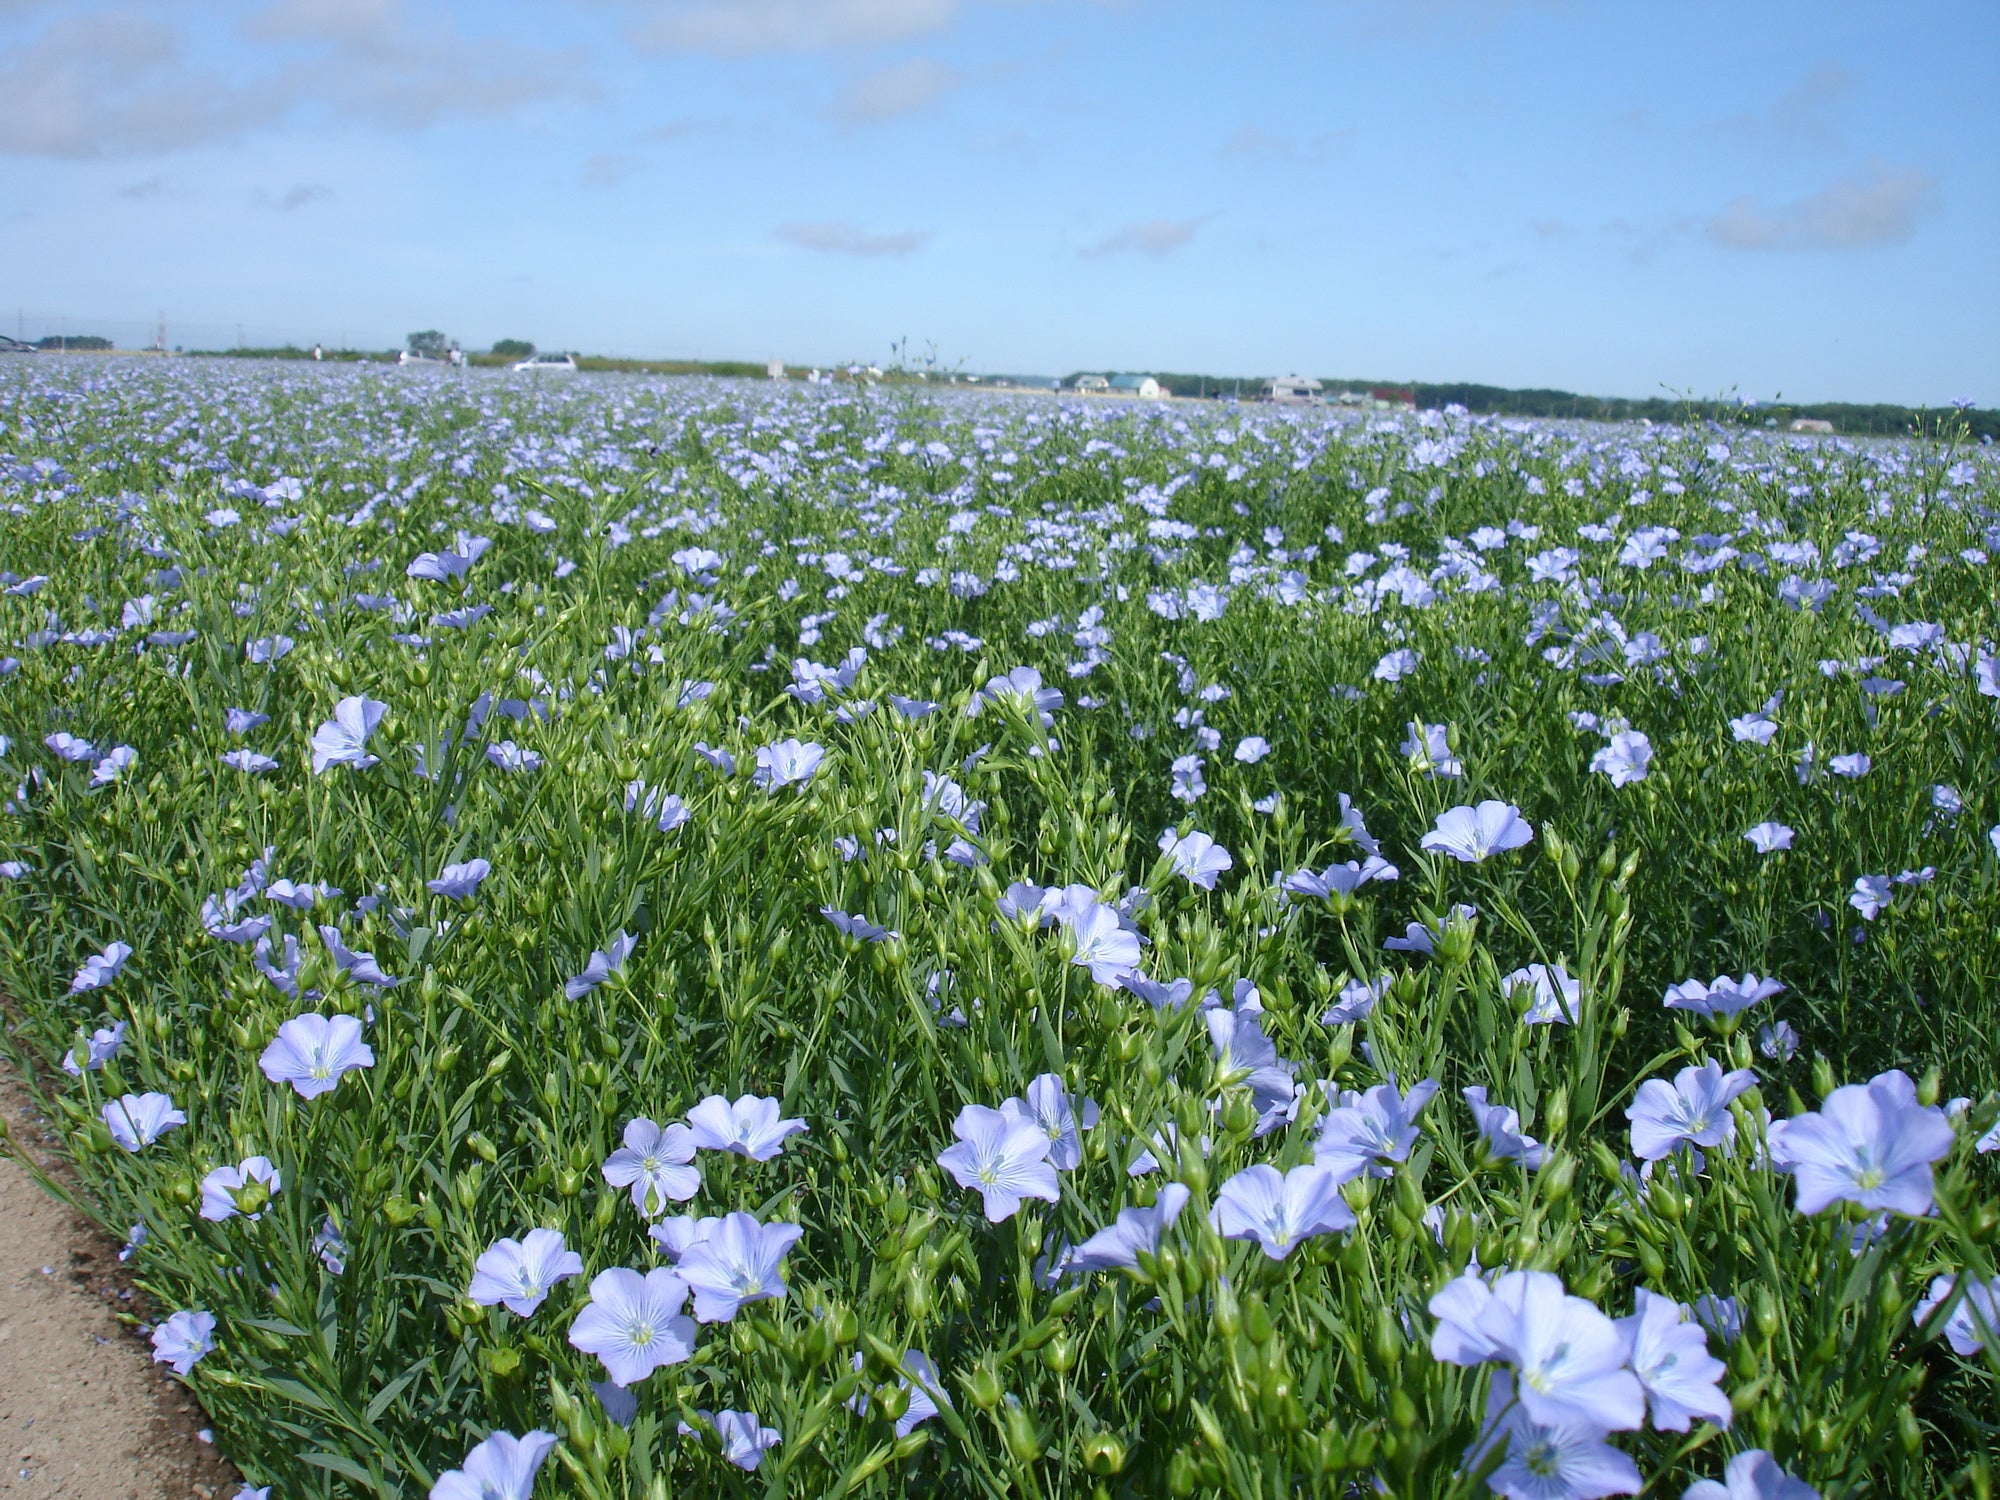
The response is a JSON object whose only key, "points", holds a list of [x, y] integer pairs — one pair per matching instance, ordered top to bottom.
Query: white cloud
{"points": [[743, 28], [120, 82], [115, 83], [903, 88], [1806, 113], [1254, 142], [609, 168], [296, 196], [1880, 208], [838, 237], [1155, 237]]}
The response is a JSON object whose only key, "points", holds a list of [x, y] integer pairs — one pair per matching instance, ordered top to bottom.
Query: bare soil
{"points": [[84, 1411]]}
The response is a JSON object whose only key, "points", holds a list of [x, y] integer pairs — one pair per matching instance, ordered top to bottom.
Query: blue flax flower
{"points": [[343, 739], [1471, 834], [459, 882], [604, 962], [101, 968], [311, 1052], [1693, 1110], [137, 1120], [749, 1127], [1500, 1129], [1370, 1133], [1870, 1144], [1002, 1157], [654, 1164], [1277, 1210], [1119, 1244], [738, 1262], [519, 1274], [634, 1323], [183, 1339], [1670, 1356], [1561, 1460], [503, 1467], [1752, 1475]]}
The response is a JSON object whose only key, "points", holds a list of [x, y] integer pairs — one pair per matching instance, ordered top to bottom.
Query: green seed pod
{"points": [[1024, 1439], [1103, 1453]]}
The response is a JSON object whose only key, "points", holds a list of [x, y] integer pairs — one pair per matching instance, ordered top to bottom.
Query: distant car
{"points": [[14, 346], [546, 362]]}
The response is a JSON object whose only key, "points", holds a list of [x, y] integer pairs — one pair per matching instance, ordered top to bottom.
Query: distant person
{"points": [[318, 353]]}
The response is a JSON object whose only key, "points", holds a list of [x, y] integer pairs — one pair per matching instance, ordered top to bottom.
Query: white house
{"points": [[1092, 383], [1144, 387], [1292, 390]]}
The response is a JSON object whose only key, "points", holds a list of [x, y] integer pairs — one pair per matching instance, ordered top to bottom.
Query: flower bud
{"points": [[983, 1387], [1024, 1440], [1103, 1453]]}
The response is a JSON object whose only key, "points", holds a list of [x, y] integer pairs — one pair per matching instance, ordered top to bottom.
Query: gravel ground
{"points": [[84, 1412]]}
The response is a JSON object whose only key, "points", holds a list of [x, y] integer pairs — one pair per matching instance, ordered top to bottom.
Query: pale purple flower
{"points": [[440, 567], [1396, 665], [1022, 687], [240, 721], [1753, 729], [343, 739], [70, 747], [1428, 747], [1252, 748], [508, 756], [717, 757], [1625, 759], [250, 762], [790, 762], [114, 765], [1850, 766], [1188, 783], [1470, 834], [1769, 838], [1197, 857], [1339, 880], [459, 882], [1871, 893], [216, 918], [857, 927], [1103, 946], [604, 962], [357, 966], [101, 968], [1160, 994], [1556, 995], [1721, 996], [1358, 998], [1778, 1041], [99, 1050], [311, 1052], [1246, 1058], [1049, 1107], [1693, 1110], [137, 1120], [749, 1127], [1500, 1128], [1371, 1133], [1870, 1144], [1003, 1158], [654, 1164], [220, 1187], [1277, 1210], [678, 1233], [1119, 1244], [738, 1262], [518, 1274], [1974, 1317], [634, 1323], [1460, 1337], [182, 1340], [1670, 1356], [1570, 1358], [919, 1377], [743, 1439], [1562, 1460], [503, 1467], [1752, 1475]]}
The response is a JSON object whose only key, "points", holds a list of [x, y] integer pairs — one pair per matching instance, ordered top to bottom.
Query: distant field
{"points": [[1024, 947]]}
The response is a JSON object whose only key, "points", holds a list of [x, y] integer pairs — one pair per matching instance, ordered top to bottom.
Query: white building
{"points": [[1292, 390]]}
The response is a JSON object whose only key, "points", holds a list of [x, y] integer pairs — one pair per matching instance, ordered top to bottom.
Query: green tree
{"points": [[429, 343], [515, 348]]}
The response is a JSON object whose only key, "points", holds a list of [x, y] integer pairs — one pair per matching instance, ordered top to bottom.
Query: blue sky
{"points": [[1597, 195]]}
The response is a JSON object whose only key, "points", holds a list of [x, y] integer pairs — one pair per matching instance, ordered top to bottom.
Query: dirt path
{"points": [[84, 1412]]}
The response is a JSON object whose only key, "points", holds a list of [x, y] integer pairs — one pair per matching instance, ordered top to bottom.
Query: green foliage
{"points": [[349, 1359]]}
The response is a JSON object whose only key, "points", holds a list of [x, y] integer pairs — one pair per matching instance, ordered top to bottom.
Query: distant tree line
{"points": [[74, 341], [1882, 419]]}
